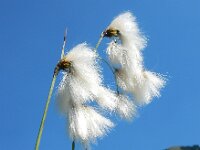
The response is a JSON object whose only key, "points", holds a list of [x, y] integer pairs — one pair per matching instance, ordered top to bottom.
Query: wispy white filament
{"points": [[130, 34], [131, 74], [83, 83], [150, 87], [126, 108], [87, 124]]}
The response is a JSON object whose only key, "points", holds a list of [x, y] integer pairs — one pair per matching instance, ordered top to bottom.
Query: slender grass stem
{"points": [[98, 43], [111, 68], [56, 71], [45, 111], [73, 145]]}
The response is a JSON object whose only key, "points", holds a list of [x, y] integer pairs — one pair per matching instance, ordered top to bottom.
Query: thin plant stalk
{"points": [[98, 43], [111, 68], [56, 71], [45, 112], [73, 145]]}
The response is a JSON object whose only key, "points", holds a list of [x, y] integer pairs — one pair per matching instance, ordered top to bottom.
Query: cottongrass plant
{"points": [[125, 53], [82, 83], [85, 100]]}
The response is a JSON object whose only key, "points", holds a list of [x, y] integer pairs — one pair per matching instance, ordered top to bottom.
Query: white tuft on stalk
{"points": [[129, 32], [130, 72], [81, 83], [150, 87], [125, 108], [86, 124]]}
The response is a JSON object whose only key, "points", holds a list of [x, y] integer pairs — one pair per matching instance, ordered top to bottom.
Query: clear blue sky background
{"points": [[31, 34]]}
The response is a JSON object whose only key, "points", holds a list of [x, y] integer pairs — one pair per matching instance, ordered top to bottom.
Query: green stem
{"points": [[98, 43], [111, 68], [45, 112], [73, 145]]}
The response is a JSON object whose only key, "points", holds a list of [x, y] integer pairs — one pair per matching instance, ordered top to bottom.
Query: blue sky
{"points": [[31, 34]]}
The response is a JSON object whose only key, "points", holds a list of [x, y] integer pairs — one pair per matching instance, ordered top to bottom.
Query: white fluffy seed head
{"points": [[130, 34], [117, 54], [128, 54], [129, 60], [84, 63], [131, 75], [83, 78], [125, 80], [80, 84], [150, 88], [144, 91], [106, 98], [125, 108], [85, 124]]}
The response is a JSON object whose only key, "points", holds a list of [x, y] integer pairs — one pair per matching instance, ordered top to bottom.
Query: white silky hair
{"points": [[129, 31], [132, 42], [119, 54], [131, 75], [85, 80], [83, 83], [150, 88], [144, 91], [126, 108], [85, 124]]}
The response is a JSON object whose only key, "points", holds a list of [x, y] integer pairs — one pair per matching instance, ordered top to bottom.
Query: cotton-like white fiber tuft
{"points": [[130, 34], [129, 60], [131, 75], [80, 84], [150, 88], [106, 98], [125, 108], [85, 124]]}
